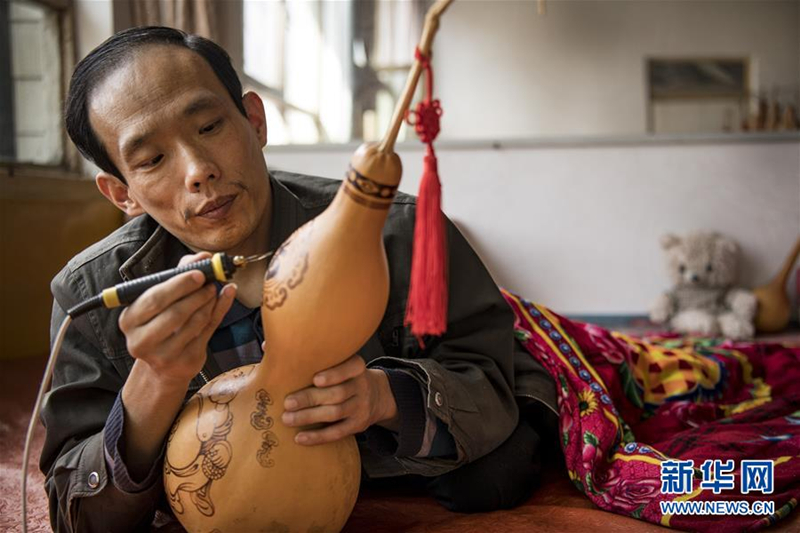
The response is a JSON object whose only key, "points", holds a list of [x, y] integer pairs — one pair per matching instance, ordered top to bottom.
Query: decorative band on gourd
{"points": [[367, 192]]}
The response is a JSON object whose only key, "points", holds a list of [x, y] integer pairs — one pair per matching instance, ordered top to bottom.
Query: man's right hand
{"points": [[169, 325], [167, 330]]}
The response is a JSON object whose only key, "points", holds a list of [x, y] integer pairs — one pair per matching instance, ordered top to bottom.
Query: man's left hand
{"points": [[348, 397]]}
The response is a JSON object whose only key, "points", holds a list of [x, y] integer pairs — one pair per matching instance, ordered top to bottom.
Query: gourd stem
{"points": [[428, 32], [783, 275]]}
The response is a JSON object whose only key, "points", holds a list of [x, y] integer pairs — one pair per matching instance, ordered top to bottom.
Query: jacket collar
{"points": [[288, 214], [161, 250]]}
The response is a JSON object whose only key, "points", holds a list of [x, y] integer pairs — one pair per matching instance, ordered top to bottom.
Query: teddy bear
{"points": [[703, 299]]}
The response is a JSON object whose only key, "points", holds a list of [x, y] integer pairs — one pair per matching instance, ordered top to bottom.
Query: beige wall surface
{"points": [[503, 72], [577, 227]]}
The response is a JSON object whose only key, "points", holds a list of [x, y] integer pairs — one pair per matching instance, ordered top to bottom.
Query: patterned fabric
{"points": [[627, 404]]}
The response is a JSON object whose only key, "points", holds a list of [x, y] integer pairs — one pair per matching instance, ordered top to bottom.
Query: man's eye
{"points": [[211, 127], [152, 162]]}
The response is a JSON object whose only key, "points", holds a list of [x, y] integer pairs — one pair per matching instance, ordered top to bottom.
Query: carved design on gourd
{"points": [[369, 187], [366, 192], [276, 290], [262, 422], [214, 423]]}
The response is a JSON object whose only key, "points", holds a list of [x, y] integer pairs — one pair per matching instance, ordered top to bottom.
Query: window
{"points": [[32, 53], [329, 71]]}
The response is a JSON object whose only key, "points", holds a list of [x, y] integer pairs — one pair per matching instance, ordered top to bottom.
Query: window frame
{"points": [[276, 94], [70, 164]]}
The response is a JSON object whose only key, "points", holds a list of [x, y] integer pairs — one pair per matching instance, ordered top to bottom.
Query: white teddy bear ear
{"points": [[669, 240], [729, 245]]}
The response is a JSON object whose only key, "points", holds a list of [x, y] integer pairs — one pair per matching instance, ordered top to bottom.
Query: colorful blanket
{"points": [[633, 412]]}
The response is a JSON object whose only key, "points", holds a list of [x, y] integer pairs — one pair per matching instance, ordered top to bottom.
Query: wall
{"points": [[504, 72], [577, 227]]}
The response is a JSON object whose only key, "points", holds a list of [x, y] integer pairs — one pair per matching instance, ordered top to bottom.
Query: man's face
{"points": [[191, 160]]}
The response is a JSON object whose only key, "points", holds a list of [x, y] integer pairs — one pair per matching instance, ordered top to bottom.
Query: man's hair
{"points": [[92, 70]]}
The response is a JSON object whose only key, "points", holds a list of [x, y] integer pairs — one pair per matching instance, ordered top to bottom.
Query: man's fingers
{"points": [[193, 258], [159, 297], [153, 300], [221, 308], [206, 329], [147, 336], [180, 341], [351, 368], [313, 396], [321, 414], [331, 433]]}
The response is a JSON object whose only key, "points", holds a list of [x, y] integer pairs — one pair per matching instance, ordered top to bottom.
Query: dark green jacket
{"points": [[471, 375]]}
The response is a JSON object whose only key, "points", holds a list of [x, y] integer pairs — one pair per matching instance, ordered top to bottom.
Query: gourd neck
{"points": [[783, 276]]}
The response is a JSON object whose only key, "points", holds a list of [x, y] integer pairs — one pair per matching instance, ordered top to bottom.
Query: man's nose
{"points": [[200, 169]]}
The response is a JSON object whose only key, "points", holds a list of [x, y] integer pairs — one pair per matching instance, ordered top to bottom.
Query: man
{"points": [[180, 150]]}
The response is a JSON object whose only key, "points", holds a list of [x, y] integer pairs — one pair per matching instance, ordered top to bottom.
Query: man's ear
{"points": [[256, 115], [117, 193]]}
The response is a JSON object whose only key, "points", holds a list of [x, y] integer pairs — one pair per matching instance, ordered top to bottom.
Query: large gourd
{"points": [[230, 464]]}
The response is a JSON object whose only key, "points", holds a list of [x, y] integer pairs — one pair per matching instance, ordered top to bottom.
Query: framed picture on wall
{"points": [[696, 95]]}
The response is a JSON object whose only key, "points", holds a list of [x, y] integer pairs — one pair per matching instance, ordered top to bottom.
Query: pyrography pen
{"points": [[219, 267]]}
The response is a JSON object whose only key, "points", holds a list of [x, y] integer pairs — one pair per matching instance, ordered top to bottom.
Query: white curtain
{"points": [[192, 16]]}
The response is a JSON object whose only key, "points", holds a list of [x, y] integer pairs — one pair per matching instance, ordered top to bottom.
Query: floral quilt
{"points": [[649, 421]]}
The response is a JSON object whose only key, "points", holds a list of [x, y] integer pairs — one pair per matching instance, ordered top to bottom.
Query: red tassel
{"points": [[426, 312]]}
